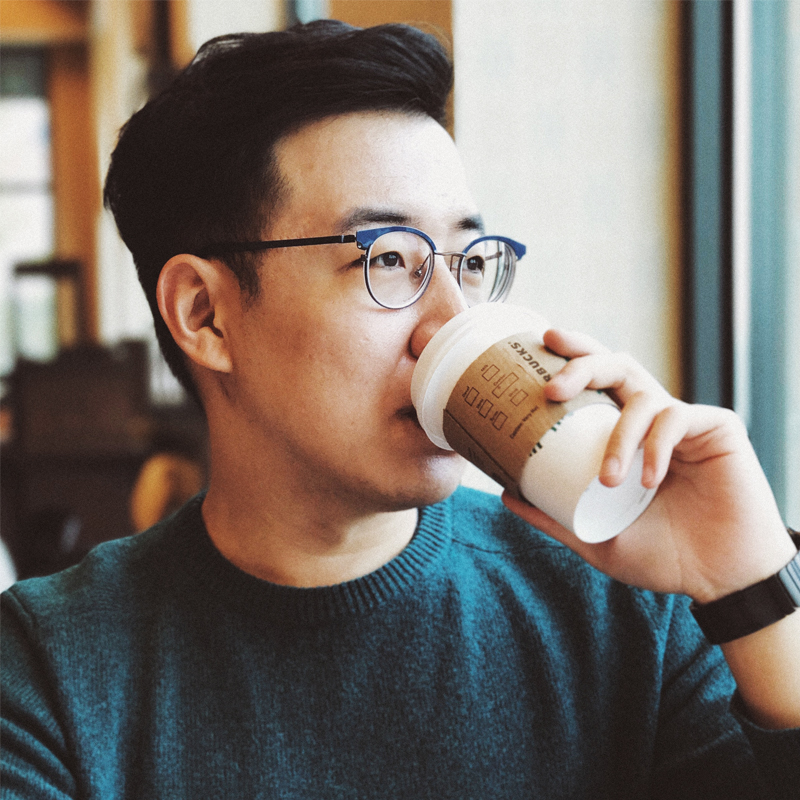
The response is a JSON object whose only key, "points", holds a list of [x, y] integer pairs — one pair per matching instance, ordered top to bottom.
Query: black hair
{"points": [[196, 164]]}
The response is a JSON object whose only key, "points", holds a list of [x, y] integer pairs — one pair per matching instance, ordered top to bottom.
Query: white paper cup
{"points": [[477, 389], [561, 478]]}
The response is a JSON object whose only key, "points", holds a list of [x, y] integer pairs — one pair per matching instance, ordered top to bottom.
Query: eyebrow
{"points": [[363, 216], [372, 216], [472, 223]]}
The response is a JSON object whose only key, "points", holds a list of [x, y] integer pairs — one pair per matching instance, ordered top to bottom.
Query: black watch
{"points": [[753, 608]]}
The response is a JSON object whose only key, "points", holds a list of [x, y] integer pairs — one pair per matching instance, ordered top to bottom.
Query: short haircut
{"points": [[196, 164]]}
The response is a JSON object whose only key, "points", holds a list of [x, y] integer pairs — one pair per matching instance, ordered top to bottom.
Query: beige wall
{"points": [[209, 18], [119, 74], [119, 78], [562, 117], [565, 118]]}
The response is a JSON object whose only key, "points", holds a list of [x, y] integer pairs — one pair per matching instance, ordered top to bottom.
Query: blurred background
{"points": [[647, 152]]}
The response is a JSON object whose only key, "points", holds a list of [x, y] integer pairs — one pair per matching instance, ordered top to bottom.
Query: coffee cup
{"points": [[478, 389]]}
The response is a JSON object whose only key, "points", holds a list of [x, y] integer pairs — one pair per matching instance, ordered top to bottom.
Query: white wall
{"points": [[210, 18], [119, 76], [119, 79], [561, 117]]}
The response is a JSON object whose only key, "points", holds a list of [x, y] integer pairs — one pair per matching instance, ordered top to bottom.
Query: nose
{"points": [[443, 299]]}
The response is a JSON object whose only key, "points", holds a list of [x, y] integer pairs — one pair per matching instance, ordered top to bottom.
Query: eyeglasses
{"points": [[398, 263]]}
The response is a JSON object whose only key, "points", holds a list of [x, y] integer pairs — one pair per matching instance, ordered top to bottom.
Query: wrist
{"points": [[754, 607]]}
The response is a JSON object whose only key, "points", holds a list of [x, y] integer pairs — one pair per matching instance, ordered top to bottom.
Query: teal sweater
{"points": [[485, 661]]}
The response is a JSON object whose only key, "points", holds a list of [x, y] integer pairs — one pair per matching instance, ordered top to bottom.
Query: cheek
{"points": [[361, 341], [334, 347], [360, 365]]}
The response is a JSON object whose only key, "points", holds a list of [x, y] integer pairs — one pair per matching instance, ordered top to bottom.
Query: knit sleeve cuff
{"points": [[777, 752]]}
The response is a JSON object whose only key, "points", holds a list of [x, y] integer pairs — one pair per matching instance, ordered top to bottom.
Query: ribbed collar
{"points": [[222, 582]]}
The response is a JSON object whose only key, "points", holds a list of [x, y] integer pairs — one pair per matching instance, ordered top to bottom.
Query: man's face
{"points": [[321, 380]]}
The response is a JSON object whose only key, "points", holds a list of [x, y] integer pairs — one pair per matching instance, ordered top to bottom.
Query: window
{"points": [[26, 207], [745, 227]]}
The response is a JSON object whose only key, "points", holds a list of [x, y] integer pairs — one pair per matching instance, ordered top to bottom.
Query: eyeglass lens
{"points": [[400, 266]]}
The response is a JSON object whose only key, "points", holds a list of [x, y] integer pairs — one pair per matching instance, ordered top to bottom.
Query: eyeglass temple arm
{"points": [[253, 247]]}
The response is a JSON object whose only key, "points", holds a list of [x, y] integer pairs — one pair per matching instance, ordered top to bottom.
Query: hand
{"points": [[713, 526]]}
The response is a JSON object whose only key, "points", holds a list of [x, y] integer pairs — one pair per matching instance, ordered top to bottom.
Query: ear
{"points": [[193, 296]]}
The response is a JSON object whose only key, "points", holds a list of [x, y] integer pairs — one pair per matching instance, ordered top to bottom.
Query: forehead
{"points": [[346, 171]]}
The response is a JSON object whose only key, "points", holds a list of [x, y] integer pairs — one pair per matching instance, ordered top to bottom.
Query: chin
{"points": [[439, 478]]}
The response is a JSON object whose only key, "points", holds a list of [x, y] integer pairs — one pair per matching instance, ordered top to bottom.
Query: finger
{"points": [[571, 344], [581, 373], [617, 373], [633, 426], [728, 429], [668, 430], [709, 432], [690, 433]]}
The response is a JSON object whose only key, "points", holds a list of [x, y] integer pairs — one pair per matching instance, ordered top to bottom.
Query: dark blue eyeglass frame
{"points": [[364, 241]]}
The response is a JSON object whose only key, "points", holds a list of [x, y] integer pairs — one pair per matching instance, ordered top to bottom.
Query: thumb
{"points": [[536, 517]]}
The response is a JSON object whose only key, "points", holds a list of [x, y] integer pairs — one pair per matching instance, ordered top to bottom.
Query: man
{"points": [[331, 619]]}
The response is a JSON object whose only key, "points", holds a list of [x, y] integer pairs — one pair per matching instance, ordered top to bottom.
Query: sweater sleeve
{"points": [[706, 748], [777, 753], [34, 762]]}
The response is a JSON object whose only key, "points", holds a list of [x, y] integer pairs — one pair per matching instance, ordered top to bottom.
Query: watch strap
{"points": [[754, 607]]}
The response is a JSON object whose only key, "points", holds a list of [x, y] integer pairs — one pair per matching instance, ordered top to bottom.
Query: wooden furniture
{"points": [[82, 428]]}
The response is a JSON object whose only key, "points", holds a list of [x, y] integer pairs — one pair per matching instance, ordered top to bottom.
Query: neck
{"points": [[277, 516], [302, 541]]}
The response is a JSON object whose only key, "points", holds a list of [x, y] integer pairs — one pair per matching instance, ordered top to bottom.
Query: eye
{"points": [[389, 260], [475, 265]]}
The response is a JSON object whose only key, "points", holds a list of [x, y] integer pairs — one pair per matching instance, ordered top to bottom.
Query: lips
{"points": [[409, 412]]}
